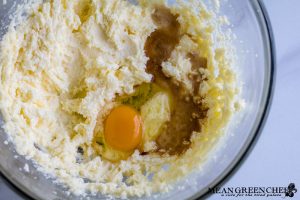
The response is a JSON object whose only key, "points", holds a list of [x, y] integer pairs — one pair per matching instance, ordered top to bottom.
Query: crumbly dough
{"points": [[66, 63]]}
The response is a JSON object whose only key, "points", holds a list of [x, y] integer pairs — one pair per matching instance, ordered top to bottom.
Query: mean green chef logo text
{"points": [[284, 192]]}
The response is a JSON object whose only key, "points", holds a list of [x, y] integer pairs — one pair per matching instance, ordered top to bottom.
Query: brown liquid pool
{"points": [[187, 113]]}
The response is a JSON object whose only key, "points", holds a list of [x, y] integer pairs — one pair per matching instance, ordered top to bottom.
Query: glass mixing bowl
{"points": [[255, 54]]}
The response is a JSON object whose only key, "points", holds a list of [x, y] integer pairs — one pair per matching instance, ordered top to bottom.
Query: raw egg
{"points": [[123, 128]]}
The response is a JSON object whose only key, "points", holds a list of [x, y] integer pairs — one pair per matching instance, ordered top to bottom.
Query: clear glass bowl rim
{"points": [[265, 24]]}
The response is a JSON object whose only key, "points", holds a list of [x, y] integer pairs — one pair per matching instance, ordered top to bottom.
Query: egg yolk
{"points": [[123, 128]]}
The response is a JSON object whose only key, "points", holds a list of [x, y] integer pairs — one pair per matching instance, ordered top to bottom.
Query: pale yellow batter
{"points": [[62, 68]]}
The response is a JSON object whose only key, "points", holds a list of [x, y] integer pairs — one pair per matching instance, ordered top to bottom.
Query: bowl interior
{"points": [[254, 68]]}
